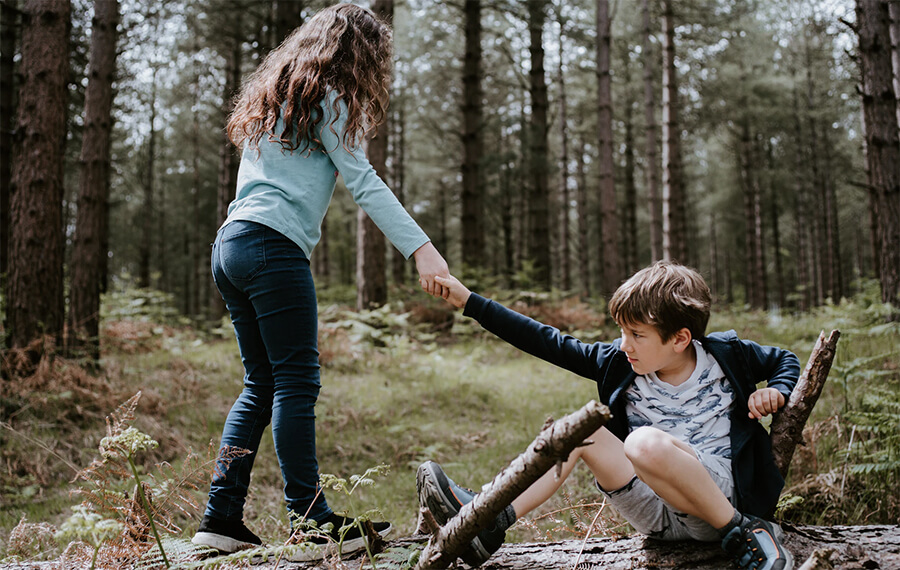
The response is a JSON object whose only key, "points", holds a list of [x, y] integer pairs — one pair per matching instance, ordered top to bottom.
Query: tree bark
{"points": [[288, 17], [9, 24], [882, 142], [652, 155], [539, 190], [673, 206], [149, 207], [472, 220], [91, 225], [609, 247], [371, 251], [565, 269], [584, 270], [36, 304], [787, 425], [552, 446]]}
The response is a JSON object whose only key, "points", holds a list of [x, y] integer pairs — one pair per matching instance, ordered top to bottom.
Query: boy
{"points": [[684, 456]]}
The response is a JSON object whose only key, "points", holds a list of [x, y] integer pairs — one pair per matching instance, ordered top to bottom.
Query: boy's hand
{"points": [[454, 292], [765, 401]]}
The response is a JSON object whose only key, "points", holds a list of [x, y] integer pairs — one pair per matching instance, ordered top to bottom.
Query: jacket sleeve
{"points": [[538, 339], [778, 367]]}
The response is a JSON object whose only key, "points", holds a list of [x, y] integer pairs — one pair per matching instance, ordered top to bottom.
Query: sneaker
{"points": [[444, 499], [225, 536], [756, 544], [317, 545]]}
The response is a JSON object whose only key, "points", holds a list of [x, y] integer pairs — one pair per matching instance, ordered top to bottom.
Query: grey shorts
{"points": [[649, 514]]}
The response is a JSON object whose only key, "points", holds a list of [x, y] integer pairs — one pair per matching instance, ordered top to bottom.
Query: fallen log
{"points": [[787, 425], [851, 548]]}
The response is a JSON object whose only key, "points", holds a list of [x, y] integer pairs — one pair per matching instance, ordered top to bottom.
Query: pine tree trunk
{"points": [[894, 14], [288, 17], [9, 22], [882, 144], [652, 155], [228, 156], [539, 190], [673, 206], [149, 208], [630, 217], [472, 220], [800, 227], [564, 231], [609, 250], [399, 263], [86, 265], [371, 268], [584, 269], [36, 305]]}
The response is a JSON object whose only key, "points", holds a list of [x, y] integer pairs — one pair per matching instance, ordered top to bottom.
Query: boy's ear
{"points": [[683, 339]]}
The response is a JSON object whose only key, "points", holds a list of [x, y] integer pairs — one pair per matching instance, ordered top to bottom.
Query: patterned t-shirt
{"points": [[697, 412]]}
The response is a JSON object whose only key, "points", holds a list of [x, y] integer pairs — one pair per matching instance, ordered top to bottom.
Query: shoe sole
{"points": [[430, 480], [220, 542], [308, 551]]}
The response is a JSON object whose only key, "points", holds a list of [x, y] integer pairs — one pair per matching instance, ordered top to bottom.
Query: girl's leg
{"points": [[284, 299], [252, 410], [606, 459], [673, 471]]}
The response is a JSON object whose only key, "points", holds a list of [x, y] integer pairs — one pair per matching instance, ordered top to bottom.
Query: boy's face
{"points": [[646, 351]]}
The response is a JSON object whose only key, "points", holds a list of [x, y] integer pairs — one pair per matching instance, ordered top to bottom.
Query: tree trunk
{"points": [[894, 14], [288, 16], [9, 23], [648, 58], [882, 144], [228, 157], [539, 190], [472, 203], [673, 205], [149, 208], [630, 214], [800, 227], [564, 232], [609, 250], [87, 256], [399, 263], [371, 268], [584, 269], [36, 305]]}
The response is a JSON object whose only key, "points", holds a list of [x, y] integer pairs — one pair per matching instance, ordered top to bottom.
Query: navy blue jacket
{"points": [[757, 480]]}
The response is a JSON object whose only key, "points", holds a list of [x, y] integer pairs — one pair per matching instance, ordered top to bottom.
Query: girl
{"points": [[300, 120]]}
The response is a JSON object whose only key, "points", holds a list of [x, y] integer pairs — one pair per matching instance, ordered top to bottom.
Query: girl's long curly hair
{"points": [[346, 48]]}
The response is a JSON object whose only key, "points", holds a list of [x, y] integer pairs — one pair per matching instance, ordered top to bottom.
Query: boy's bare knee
{"points": [[646, 446]]}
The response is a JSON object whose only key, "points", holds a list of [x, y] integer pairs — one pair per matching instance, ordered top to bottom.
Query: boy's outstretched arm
{"points": [[458, 293], [765, 401]]}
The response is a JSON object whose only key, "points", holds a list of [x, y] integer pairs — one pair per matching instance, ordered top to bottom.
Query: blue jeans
{"points": [[267, 286]]}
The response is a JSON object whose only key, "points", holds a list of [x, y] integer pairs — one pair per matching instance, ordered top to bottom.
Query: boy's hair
{"points": [[665, 295]]}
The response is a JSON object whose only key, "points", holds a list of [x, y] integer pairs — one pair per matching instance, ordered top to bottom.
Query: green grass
{"points": [[399, 393]]}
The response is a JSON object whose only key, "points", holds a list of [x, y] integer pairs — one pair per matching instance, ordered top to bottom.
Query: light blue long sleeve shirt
{"points": [[290, 191]]}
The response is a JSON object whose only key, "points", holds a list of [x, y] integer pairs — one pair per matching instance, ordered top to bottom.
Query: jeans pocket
{"points": [[242, 250]]}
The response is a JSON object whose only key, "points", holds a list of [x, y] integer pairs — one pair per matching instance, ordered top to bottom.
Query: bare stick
{"points": [[787, 426], [554, 443]]}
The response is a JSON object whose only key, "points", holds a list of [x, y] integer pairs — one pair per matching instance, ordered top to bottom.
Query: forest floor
{"points": [[409, 383]]}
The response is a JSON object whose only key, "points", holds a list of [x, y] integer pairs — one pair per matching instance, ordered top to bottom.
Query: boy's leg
{"points": [[606, 459], [675, 473]]}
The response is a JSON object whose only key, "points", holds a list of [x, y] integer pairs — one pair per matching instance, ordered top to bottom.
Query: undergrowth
{"points": [[402, 384]]}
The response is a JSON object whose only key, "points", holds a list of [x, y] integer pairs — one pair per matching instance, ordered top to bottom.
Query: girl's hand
{"points": [[429, 264], [455, 292], [765, 401]]}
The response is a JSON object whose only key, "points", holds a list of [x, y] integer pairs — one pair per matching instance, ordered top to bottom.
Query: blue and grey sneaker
{"points": [[444, 498], [756, 544]]}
